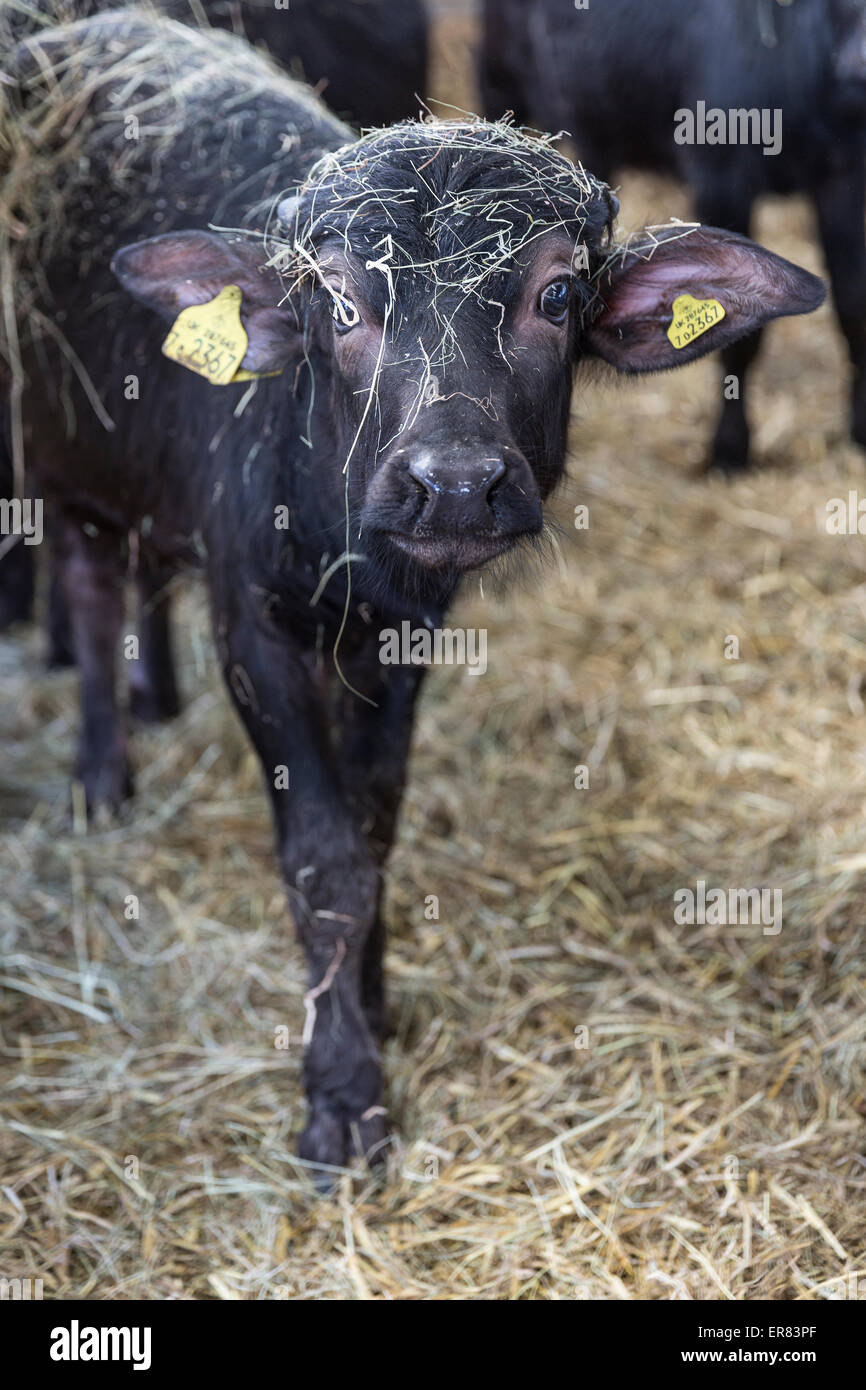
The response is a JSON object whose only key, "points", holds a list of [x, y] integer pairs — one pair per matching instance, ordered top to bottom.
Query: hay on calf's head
{"points": [[455, 204]]}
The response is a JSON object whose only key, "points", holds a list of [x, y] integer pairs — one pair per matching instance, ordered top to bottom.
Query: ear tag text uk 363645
{"points": [[692, 317], [210, 339]]}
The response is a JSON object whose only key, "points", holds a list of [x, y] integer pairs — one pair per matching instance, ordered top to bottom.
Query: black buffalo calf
{"points": [[638, 84], [415, 305]]}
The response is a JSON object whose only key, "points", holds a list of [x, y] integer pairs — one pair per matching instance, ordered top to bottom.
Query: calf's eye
{"points": [[553, 301], [344, 313]]}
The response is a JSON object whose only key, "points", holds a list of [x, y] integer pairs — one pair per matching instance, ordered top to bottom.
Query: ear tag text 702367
{"points": [[692, 317]]}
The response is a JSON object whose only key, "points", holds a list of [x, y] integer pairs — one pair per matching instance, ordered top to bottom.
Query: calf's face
{"points": [[446, 261], [445, 280], [452, 401]]}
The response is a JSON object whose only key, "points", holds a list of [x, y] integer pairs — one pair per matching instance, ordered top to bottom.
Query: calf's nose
{"points": [[462, 483]]}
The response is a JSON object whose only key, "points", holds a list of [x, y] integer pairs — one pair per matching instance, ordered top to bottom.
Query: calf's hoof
{"points": [[728, 460], [108, 782], [331, 1139]]}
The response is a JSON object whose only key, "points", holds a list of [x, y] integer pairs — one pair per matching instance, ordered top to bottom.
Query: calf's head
{"points": [[444, 281]]}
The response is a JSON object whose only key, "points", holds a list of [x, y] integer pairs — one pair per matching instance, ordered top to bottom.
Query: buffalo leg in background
{"points": [[500, 84], [841, 203], [724, 206], [17, 561], [91, 569], [17, 583], [17, 593], [60, 652], [153, 693], [374, 755], [330, 874]]}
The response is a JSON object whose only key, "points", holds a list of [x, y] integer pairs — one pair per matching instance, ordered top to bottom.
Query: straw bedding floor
{"points": [[592, 1100]]}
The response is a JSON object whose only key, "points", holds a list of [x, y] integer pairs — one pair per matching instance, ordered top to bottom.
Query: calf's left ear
{"points": [[175, 271], [723, 286]]}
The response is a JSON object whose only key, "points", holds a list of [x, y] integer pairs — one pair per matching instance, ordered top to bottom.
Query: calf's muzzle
{"points": [[457, 505]]}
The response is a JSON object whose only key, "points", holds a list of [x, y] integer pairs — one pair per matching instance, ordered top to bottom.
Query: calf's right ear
{"points": [[173, 272], [679, 291]]}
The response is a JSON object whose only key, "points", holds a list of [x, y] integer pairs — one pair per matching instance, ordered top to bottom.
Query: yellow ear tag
{"points": [[692, 317], [211, 340]]}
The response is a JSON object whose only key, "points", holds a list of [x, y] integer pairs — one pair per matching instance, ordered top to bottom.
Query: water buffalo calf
{"points": [[619, 74], [424, 296]]}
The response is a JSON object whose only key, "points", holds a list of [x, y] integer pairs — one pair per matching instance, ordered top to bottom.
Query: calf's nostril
{"points": [[421, 471], [497, 473]]}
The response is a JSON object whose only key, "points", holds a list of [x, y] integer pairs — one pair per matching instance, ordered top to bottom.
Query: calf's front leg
{"points": [[373, 753], [331, 876]]}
